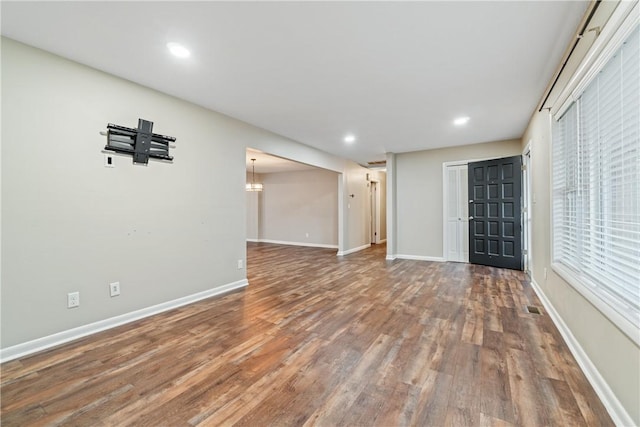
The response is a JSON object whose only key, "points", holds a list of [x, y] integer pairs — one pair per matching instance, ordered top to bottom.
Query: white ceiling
{"points": [[395, 74]]}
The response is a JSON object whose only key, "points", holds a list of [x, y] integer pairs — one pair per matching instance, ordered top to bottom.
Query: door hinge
{"points": [[523, 167], [525, 252]]}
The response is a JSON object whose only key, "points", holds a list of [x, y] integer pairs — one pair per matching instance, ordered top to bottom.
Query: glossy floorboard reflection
{"points": [[320, 340]]}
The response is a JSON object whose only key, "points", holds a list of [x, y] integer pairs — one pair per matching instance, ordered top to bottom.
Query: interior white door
{"points": [[457, 213]]}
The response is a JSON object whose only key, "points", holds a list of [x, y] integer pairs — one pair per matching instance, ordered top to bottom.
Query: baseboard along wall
{"points": [[284, 242], [350, 251], [419, 258], [39, 344], [615, 409]]}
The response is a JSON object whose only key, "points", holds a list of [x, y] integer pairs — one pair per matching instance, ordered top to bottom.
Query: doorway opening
{"points": [[298, 206], [375, 210]]}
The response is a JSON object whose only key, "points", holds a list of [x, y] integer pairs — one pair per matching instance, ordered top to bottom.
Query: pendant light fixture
{"points": [[253, 186]]}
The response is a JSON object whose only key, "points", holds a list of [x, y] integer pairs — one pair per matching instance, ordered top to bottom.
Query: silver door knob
{"points": [[470, 217]]}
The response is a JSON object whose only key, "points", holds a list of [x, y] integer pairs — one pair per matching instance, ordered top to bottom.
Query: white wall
{"points": [[419, 198], [296, 204], [392, 206], [70, 224], [164, 231], [614, 355]]}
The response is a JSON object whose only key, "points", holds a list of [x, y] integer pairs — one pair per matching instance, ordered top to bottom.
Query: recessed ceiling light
{"points": [[178, 50], [461, 121], [349, 139]]}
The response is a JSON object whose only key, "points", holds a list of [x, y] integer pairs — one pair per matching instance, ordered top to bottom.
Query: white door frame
{"points": [[526, 208], [374, 224]]}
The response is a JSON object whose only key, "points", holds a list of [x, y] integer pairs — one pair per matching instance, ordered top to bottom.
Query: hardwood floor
{"points": [[320, 340]]}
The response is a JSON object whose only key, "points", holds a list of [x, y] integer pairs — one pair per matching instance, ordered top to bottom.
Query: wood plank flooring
{"points": [[318, 340]]}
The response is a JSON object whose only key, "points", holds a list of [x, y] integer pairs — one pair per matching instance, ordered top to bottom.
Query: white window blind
{"points": [[596, 184]]}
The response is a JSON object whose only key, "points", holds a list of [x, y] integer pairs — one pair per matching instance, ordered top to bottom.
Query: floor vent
{"points": [[533, 309]]}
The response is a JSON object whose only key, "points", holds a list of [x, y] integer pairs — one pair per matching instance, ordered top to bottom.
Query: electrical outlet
{"points": [[240, 264], [545, 273], [114, 289], [73, 299]]}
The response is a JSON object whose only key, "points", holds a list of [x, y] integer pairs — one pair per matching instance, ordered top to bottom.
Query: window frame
{"points": [[612, 38]]}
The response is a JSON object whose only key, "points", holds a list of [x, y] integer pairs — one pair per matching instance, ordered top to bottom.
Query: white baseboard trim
{"points": [[382, 241], [283, 242], [350, 251], [390, 257], [421, 258], [39, 344], [615, 409]]}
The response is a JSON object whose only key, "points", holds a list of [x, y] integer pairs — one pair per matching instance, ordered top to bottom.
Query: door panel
{"points": [[457, 213], [453, 214], [464, 214], [495, 229], [452, 241]]}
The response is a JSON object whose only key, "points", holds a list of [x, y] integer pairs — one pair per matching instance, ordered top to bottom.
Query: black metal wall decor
{"points": [[141, 143]]}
